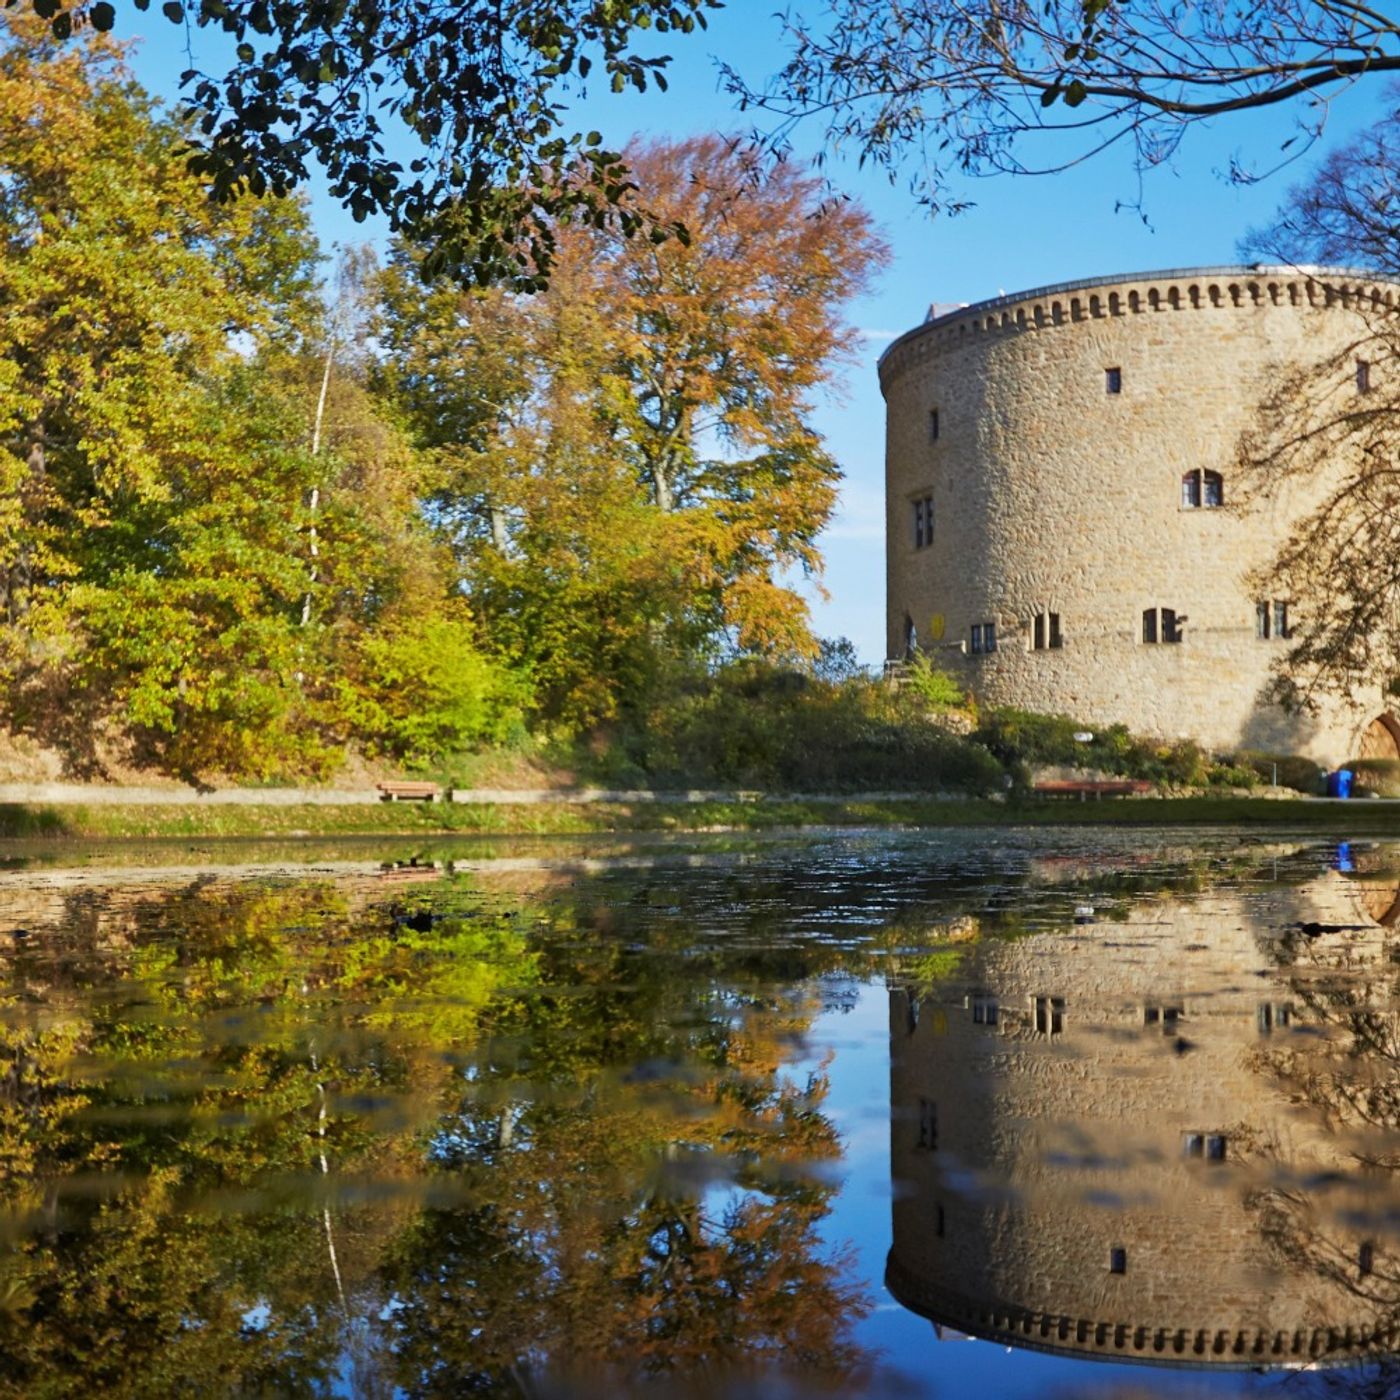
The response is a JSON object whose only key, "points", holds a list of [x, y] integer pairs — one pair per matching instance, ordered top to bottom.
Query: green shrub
{"points": [[421, 689], [937, 689], [753, 725], [1022, 739], [1300, 774], [1233, 775]]}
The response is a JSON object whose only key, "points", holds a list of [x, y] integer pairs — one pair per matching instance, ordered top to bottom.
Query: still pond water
{"points": [[1032, 1114]]}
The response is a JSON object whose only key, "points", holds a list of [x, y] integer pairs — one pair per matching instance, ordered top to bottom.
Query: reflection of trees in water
{"points": [[549, 1147]]}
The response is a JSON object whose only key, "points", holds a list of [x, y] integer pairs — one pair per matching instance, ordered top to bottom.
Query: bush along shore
{"points": [[758, 747]]}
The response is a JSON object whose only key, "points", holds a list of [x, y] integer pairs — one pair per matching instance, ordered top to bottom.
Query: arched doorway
{"points": [[1380, 738]]}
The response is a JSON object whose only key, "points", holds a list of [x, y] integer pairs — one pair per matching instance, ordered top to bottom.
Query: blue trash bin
{"points": [[1339, 783]]}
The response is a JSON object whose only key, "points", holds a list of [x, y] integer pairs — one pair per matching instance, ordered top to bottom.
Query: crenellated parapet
{"points": [[1094, 298]]}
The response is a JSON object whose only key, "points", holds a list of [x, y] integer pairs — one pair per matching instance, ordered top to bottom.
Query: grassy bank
{"points": [[78, 822]]}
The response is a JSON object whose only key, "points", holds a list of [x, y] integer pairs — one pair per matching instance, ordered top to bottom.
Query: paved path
{"points": [[95, 795]]}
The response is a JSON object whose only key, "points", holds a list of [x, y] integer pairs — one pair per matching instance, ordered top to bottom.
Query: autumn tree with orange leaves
{"points": [[726, 339], [627, 463]]}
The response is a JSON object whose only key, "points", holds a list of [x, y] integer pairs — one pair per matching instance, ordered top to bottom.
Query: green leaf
{"points": [[1075, 93]]}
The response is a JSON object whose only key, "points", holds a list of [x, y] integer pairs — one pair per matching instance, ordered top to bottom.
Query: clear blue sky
{"points": [[1023, 232]]}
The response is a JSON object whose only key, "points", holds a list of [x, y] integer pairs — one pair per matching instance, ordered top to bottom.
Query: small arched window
{"points": [[1202, 489], [1161, 625]]}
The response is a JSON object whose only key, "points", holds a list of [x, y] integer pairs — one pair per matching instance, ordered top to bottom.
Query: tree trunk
{"points": [[662, 495], [314, 500], [20, 575]]}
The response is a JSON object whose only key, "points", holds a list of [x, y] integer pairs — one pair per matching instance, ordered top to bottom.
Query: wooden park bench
{"points": [[1083, 790], [396, 791]]}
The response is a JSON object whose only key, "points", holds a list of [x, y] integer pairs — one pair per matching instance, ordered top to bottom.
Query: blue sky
{"points": [[1023, 232]]}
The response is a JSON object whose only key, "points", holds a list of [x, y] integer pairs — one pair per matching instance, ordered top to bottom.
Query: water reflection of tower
{"points": [[1084, 1126]]}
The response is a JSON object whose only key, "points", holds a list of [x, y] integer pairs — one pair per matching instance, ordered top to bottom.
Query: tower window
{"points": [[1363, 376], [1113, 380], [933, 425], [1202, 489], [923, 522], [1271, 620], [1161, 625], [1045, 631], [984, 638], [984, 1009], [1049, 1014], [928, 1124], [1210, 1146], [1118, 1260]]}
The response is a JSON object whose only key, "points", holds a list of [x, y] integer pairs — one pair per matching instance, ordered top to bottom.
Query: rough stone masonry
{"points": [[1065, 530]]}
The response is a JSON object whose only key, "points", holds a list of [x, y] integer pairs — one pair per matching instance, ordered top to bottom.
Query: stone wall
{"points": [[1053, 495]]}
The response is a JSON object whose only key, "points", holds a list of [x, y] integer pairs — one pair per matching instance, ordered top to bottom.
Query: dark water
{"points": [[959, 1114]]}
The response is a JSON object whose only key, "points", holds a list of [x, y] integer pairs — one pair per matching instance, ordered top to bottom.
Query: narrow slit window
{"points": [[1363, 376], [1113, 380], [933, 425], [923, 522], [1271, 619], [1149, 625], [1045, 631], [1049, 1015], [928, 1124], [940, 1221], [1366, 1259]]}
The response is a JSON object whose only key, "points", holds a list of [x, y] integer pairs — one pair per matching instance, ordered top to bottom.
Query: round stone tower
{"points": [[1066, 526]]}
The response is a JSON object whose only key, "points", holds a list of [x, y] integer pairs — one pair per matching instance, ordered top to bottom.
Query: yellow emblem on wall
{"points": [[935, 627]]}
